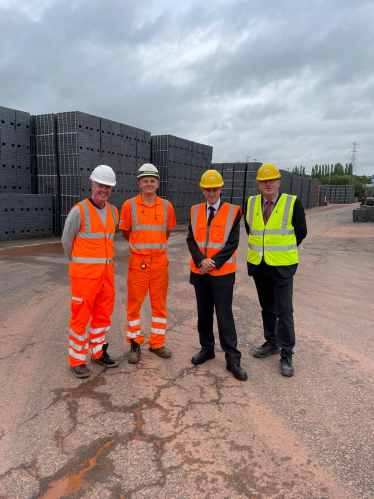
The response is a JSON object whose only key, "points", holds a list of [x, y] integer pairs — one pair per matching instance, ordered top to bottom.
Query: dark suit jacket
{"points": [[299, 224], [219, 258]]}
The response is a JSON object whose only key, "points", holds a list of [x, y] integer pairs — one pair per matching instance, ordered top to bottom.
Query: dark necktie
{"points": [[267, 210], [211, 215]]}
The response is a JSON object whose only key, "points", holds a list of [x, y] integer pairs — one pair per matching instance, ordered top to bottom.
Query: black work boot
{"points": [[265, 350], [134, 355], [202, 357], [106, 359], [286, 364], [80, 371], [238, 372]]}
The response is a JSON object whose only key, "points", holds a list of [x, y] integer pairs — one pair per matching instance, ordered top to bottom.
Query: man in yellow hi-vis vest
{"points": [[276, 226]]}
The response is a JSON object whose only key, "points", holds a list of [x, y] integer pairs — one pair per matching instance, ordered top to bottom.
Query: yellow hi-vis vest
{"points": [[277, 241]]}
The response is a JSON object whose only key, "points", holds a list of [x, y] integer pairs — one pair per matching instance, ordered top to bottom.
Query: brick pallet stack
{"points": [[77, 143], [181, 164], [15, 175], [228, 178], [286, 182], [305, 183], [296, 186], [313, 193], [340, 194], [322, 195], [25, 215]]}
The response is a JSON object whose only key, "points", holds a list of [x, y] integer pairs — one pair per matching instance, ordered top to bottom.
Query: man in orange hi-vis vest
{"points": [[146, 222], [213, 238], [88, 244]]}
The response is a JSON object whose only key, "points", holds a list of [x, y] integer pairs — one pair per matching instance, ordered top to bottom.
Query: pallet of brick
{"points": [[359, 216]]}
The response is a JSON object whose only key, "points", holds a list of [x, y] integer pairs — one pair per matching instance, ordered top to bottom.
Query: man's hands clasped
{"points": [[207, 265]]}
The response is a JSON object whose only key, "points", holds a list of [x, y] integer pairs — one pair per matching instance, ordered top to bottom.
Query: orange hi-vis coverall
{"points": [[148, 264], [92, 283]]}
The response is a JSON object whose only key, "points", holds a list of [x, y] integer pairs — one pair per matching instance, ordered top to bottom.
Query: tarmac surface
{"points": [[167, 429]]}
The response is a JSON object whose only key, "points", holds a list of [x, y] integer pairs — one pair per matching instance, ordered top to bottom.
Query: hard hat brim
{"points": [[148, 174], [272, 177], [214, 186]]}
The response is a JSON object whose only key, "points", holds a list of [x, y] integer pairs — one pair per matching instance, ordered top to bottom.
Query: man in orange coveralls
{"points": [[146, 222], [88, 244]]}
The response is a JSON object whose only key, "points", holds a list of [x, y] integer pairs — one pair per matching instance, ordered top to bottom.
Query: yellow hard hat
{"points": [[268, 171], [211, 179]]}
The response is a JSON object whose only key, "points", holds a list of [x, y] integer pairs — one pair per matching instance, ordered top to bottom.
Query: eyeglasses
{"points": [[271, 181]]}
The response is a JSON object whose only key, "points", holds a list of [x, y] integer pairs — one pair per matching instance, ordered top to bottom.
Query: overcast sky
{"points": [[289, 82]]}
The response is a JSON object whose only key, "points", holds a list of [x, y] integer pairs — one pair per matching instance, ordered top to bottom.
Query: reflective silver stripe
{"points": [[165, 203], [133, 211], [251, 211], [286, 211], [114, 214], [194, 218], [87, 220], [229, 222], [149, 227], [273, 232], [91, 235], [110, 235], [211, 245], [148, 246], [255, 248], [281, 248], [81, 259], [110, 260], [231, 260], [77, 299], [160, 320], [133, 323], [99, 330], [157, 331], [129, 334], [80, 338], [100, 339], [79, 348], [96, 349], [78, 356]]}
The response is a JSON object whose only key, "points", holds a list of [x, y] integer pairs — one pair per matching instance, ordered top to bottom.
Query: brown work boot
{"points": [[163, 352], [134, 355], [80, 371]]}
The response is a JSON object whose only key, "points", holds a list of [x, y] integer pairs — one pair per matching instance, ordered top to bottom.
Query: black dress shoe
{"points": [[265, 350], [202, 357], [106, 359], [80, 371], [237, 372]]}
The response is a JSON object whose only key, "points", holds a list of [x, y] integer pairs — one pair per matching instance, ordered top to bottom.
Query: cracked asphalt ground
{"points": [[167, 429]]}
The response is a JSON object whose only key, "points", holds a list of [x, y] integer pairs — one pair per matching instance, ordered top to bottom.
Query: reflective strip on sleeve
{"points": [[286, 211], [149, 227], [91, 235], [148, 246], [255, 248], [280, 248], [81, 259], [231, 260], [80, 300], [159, 319], [134, 323], [100, 330], [155, 330], [129, 334], [80, 338], [79, 348], [78, 356]]}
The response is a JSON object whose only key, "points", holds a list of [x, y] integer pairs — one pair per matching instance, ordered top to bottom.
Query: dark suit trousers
{"points": [[275, 296], [208, 297]]}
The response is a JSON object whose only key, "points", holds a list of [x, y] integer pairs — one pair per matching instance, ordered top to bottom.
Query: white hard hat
{"points": [[147, 170], [103, 174]]}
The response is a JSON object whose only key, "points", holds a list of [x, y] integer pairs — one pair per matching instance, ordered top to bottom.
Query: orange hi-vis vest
{"points": [[148, 236], [213, 238], [93, 249]]}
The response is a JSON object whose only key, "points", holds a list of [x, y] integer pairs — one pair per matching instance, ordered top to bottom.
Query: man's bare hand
{"points": [[207, 265]]}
